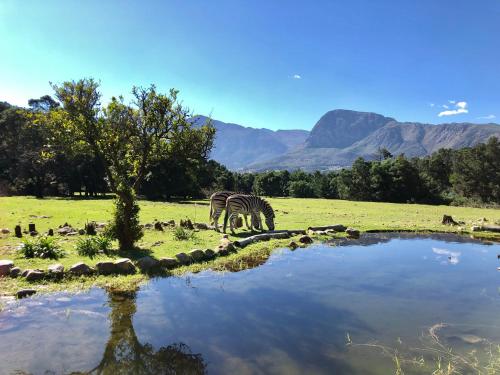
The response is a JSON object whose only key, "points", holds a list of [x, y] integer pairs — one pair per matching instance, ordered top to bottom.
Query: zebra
{"points": [[218, 203], [248, 204]]}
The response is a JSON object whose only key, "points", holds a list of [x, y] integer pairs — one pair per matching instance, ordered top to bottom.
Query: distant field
{"points": [[291, 213]]}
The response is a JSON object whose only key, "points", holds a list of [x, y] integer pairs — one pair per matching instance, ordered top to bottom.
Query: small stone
{"points": [[148, 225], [158, 226], [202, 226], [475, 228], [66, 230], [5, 231], [18, 231], [50, 232], [81, 232], [33, 233], [352, 233], [225, 236], [305, 239], [157, 243], [227, 244], [293, 245], [221, 251], [209, 253], [197, 255], [183, 258], [147, 263], [169, 263], [125, 265], [5, 266], [105, 268], [56, 269], [80, 269], [15, 272], [35, 275], [23, 293]]}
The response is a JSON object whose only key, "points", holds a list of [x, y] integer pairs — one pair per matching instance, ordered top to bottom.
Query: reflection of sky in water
{"points": [[290, 315]]}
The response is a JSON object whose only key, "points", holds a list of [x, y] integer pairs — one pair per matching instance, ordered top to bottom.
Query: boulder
{"points": [[448, 220], [170, 223], [148, 226], [158, 226], [202, 226], [66, 230], [5, 231], [18, 231], [50, 232], [81, 232], [33, 233], [352, 233], [305, 239], [227, 245], [293, 245], [221, 251], [209, 254], [197, 255], [183, 258], [169, 262], [147, 263], [125, 265], [5, 266], [105, 268], [80, 269], [56, 270], [15, 272], [35, 275], [23, 293]]}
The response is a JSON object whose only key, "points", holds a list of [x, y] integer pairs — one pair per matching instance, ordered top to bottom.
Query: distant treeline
{"points": [[29, 166]]}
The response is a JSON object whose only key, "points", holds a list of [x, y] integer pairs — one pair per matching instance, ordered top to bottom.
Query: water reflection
{"points": [[124, 354]]}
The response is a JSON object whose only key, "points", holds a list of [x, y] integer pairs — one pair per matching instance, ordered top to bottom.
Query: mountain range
{"points": [[336, 140]]}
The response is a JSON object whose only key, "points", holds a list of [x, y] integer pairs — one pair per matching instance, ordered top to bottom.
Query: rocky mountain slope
{"points": [[337, 139]]}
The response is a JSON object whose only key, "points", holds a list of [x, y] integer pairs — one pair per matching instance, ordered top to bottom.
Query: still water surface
{"points": [[328, 309]]}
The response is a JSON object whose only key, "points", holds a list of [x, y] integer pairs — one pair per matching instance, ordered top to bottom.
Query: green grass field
{"points": [[291, 213]]}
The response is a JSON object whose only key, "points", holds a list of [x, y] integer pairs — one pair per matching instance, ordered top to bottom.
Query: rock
{"points": [[448, 220], [186, 224], [100, 225], [148, 226], [158, 226], [202, 226], [31, 227], [475, 228], [66, 230], [5, 231], [18, 231], [50, 232], [81, 232], [33, 233], [353, 233], [225, 236], [305, 239], [157, 243], [227, 245], [293, 245], [221, 251], [209, 254], [197, 255], [183, 258], [147, 263], [169, 263], [125, 265], [5, 266], [105, 268], [80, 269], [56, 270], [15, 272], [24, 273], [35, 275], [23, 293]]}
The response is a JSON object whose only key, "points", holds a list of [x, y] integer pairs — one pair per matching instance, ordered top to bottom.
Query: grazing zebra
{"points": [[218, 203], [248, 204]]}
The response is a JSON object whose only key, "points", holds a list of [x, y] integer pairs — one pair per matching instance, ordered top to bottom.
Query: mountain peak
{"points": [[341, 128]]}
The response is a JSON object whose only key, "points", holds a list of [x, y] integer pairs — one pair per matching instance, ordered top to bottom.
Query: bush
{"points": [[181, 234], [91, 246], [42, 247]]}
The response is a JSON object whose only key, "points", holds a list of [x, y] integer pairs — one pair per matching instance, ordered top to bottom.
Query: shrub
{"points": [[182, 234], [91, 246], [42, 247]]}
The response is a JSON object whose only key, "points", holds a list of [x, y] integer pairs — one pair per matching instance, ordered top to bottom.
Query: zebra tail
{"points": [[211, 213]]}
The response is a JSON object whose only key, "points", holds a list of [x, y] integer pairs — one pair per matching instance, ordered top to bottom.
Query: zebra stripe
{"points": [[218, 204], [248, 204]]}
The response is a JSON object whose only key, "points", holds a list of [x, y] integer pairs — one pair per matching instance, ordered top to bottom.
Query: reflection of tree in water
{"points": [[124, 354]]}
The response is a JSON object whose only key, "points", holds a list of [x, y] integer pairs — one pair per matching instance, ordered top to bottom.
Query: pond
{"points": [[365, 306]]}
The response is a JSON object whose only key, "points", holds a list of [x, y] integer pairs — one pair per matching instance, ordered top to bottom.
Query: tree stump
{"points": [[448, 220], [31, 227], [18, 231]]}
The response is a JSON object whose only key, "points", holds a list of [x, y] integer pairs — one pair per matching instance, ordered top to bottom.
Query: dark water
{"points": [[326, 309]]}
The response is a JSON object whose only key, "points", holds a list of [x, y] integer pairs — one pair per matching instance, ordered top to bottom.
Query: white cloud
{"points": [[296, 76], [452, 101], [432, 104], [445, 106], [460, 107], [488, 117]]}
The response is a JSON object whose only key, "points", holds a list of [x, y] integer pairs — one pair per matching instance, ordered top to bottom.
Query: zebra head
{"points": [[268, 212]]}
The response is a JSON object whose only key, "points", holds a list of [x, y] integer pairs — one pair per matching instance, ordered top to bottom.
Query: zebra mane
{"points": [[266, 205]]}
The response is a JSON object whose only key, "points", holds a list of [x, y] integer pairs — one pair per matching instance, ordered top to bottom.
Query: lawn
{"points": [[291, 213]]}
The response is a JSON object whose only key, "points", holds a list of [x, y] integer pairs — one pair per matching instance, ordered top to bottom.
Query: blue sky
{"points": [[262, 63]]}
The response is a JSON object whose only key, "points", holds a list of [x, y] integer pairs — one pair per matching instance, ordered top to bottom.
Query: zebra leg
{"points": [[216, 216], [246, 221], [231, 222]]}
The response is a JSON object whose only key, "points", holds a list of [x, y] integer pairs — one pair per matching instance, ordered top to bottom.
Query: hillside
{"points": [[340, 136], [237, 146]]}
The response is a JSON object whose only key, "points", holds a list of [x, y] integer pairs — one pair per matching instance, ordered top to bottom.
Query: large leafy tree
{"points": [[126, 138]]}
